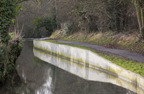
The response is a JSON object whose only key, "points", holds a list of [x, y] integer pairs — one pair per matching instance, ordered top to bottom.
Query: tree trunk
{"points": [[140, 16]]}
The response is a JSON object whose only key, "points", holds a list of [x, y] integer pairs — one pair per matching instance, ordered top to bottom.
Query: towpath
{"points": [[126, 54]]}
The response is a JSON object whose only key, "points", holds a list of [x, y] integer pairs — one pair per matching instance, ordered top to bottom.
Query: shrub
{"points": [[49, 23], [68, 28], [8, 54]]}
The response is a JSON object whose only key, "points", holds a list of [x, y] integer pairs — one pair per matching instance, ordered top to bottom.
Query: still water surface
{"points": [[40, 77]]}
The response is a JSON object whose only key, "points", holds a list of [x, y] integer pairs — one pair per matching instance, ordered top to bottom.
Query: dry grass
{"points": [[16, 33], [57, 34]]}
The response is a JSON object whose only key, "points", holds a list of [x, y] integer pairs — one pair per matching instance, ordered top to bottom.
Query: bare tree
{"points": [[139, 6]]}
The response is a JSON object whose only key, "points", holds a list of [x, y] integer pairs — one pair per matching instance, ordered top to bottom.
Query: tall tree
{"points": [[139, 6]]}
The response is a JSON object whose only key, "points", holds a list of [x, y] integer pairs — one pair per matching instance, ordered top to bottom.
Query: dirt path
{"points": [[126, 54]]}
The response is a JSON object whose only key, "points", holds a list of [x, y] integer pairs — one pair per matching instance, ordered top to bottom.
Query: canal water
{"points": [[39, 77]]}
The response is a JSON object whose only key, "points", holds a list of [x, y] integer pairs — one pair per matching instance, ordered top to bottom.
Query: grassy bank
{"points": [[106, 39], [127, 41]]}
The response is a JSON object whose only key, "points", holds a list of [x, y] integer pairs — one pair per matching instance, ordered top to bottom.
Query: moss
{"points": [[58, 57], [68, 59], [127, 64], [133, 66], [130, 85]]}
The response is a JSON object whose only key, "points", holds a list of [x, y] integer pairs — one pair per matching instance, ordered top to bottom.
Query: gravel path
{"points": [[127, 54]]}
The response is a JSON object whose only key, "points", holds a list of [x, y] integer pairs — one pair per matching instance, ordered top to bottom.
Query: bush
{"points": [[49, 23], [68, 28], [8, 54]]}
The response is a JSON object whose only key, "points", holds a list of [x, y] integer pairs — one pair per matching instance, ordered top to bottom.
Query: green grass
{"points": [[133, 66]]}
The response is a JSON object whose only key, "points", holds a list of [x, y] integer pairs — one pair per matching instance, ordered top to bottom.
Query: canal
{"points": [[39, 77]]}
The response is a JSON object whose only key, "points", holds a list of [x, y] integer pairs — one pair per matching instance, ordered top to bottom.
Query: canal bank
{"points": [[87, 65]]}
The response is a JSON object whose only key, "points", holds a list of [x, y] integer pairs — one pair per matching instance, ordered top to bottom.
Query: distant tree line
{"points": [[92, 15], [103, 15]]}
